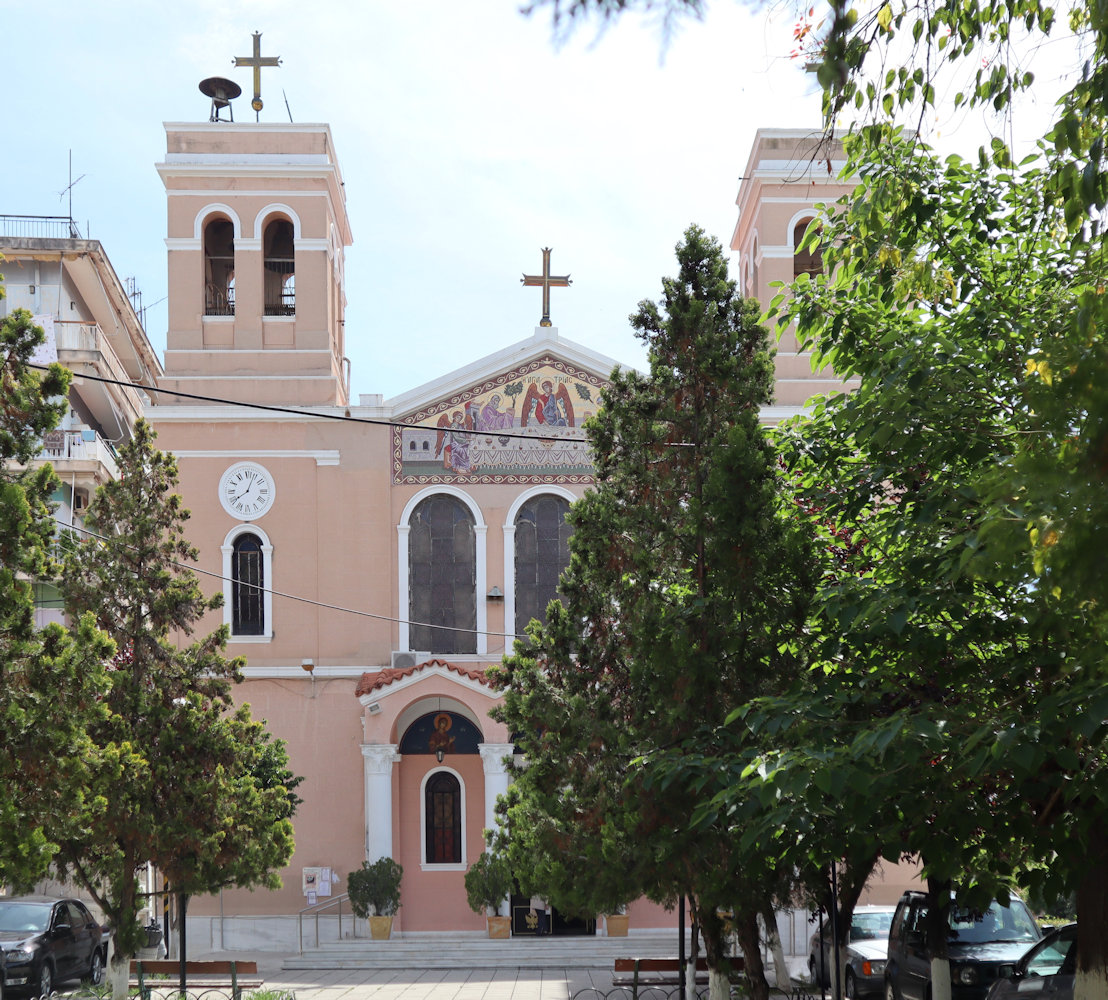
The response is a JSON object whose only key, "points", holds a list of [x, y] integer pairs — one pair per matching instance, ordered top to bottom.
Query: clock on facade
{"points": [[246, 491]]}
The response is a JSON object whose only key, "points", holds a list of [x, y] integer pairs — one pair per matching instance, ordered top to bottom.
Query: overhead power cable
{"points": [[272, 408], [184, 567]]}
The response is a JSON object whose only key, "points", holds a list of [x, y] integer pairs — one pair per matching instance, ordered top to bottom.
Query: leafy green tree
{"points": [[687, 594], [49, 680], [184, 779]]}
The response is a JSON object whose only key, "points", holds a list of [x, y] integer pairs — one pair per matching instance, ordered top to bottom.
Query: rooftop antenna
{"points": [[222, 92], [287, 108], [69, 189]]}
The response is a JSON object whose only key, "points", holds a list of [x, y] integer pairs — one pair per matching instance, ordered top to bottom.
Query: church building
{"points": [[375, 555]]}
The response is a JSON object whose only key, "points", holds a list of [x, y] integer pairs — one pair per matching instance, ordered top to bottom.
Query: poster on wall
{"points": [[525, 425], [310, 880]]}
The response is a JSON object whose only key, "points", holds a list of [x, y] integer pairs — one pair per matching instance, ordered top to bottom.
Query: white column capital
{"points": [[492, 756], [379, 757]]}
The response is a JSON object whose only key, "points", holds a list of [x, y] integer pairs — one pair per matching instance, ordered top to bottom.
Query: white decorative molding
{"points": [[215, 208], [276, 208], [329, 457], [424, 673], [492, 757]]}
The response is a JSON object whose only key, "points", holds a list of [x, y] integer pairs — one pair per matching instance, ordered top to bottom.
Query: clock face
{"points": [[246, 491]]}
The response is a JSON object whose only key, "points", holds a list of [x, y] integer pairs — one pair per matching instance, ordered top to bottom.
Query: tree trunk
{"points": [[746, 929], [938, 934], [773, 938], [690, 968], [119, 974], [1091, 980], [719, 985]]}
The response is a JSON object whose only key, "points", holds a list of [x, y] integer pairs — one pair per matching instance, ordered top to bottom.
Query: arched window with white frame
{"points": [[219, 267], [442, 563], [247, 584]]}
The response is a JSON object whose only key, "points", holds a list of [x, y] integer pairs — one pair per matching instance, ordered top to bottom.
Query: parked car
{"points": [[45, 941], [979, 945], [864, 963], [1046, 969]]}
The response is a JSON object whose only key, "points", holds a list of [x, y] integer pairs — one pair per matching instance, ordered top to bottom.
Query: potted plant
{"points": [[488, 882], [374, 891], [616, 922]]}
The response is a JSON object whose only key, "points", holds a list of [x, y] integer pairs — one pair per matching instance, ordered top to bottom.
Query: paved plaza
{"points": [[435, 984]]}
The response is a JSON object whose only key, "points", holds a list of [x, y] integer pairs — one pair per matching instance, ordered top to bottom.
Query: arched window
{"points": [[279, 259], [809, 261], [219, 268], [542, 553], [442, 583], [247, 586], [442, 804]]}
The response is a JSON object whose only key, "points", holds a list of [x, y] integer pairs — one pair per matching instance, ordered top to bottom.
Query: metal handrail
{"points": [[315, 911]]}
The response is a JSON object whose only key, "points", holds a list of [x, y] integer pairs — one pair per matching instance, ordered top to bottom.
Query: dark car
{"points": [[45, 941], [980, 946], [863, 969], [1047, 969]]}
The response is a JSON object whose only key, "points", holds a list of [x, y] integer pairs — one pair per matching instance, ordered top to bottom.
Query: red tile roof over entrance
{"points": [[376, 680]]}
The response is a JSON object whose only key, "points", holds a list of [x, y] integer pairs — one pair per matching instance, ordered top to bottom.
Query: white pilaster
{"points": [[378, 759], [496, 776]]}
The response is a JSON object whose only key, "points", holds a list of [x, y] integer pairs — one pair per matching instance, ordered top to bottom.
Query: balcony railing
{"points": [[50, 227], [75, 338], [79, 445]]}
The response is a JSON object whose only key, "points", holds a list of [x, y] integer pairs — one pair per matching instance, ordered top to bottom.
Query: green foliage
{"points": [[686, 595], [50, 681], [182, 777], [488, 882], [374, 889]]}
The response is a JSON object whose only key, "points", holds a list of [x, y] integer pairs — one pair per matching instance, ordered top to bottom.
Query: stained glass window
{"points": [[542, 552], [442, 577]]}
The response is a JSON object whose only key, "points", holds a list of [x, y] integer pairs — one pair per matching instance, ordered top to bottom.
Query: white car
{"points": [[863, 968]]}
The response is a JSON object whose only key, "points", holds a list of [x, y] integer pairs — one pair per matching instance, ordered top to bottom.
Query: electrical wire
{"points": [[346, 417], [293, 597]]}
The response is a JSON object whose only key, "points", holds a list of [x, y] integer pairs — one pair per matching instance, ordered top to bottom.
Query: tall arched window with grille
{"points": [[279, 261], [809, 261], [219, 268], [542, 553], [442, 576], [247, 586], [443, 819]]}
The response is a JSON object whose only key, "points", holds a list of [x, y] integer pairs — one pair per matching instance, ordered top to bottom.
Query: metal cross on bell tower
{"points": [[257, 61], [547, 281]]}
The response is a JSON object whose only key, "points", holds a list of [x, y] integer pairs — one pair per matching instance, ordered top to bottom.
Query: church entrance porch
{"points": [[525, 921]]}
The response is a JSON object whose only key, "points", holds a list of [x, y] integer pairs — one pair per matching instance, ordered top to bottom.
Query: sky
{"points": [[468, 140]]}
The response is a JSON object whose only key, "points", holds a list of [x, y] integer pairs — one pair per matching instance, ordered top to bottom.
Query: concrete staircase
{"points": [[473, 951]]}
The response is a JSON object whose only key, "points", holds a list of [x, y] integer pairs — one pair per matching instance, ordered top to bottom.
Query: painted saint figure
{"points": [[549, 407], [492, 418], [453, 441], [440, 738]]}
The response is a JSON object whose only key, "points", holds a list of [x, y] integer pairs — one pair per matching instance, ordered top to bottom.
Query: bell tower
{"points": [[791, 173], [257, 231]]}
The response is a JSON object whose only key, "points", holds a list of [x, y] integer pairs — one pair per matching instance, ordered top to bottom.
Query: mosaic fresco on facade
{"points": [[523, 426]]}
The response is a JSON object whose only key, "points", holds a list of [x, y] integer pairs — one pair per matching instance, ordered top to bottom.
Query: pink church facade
{"points": [[377, 555]]}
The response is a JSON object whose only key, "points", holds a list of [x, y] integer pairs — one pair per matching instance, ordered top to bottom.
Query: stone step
{"points": [[471, 951]]}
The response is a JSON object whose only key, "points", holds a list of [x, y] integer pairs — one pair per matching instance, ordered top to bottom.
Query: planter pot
{"points": [[617, 924], [500, 927], [380, 928]]}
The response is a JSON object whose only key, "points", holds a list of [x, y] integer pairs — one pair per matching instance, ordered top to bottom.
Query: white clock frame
{"points": [[270, 496]]}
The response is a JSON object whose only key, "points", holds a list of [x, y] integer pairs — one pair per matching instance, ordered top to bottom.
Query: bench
{"points": [[647, 972], [216, 973]]}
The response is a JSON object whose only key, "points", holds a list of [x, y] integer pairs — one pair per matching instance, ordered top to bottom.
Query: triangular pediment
{"points": [[516, 416]]}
